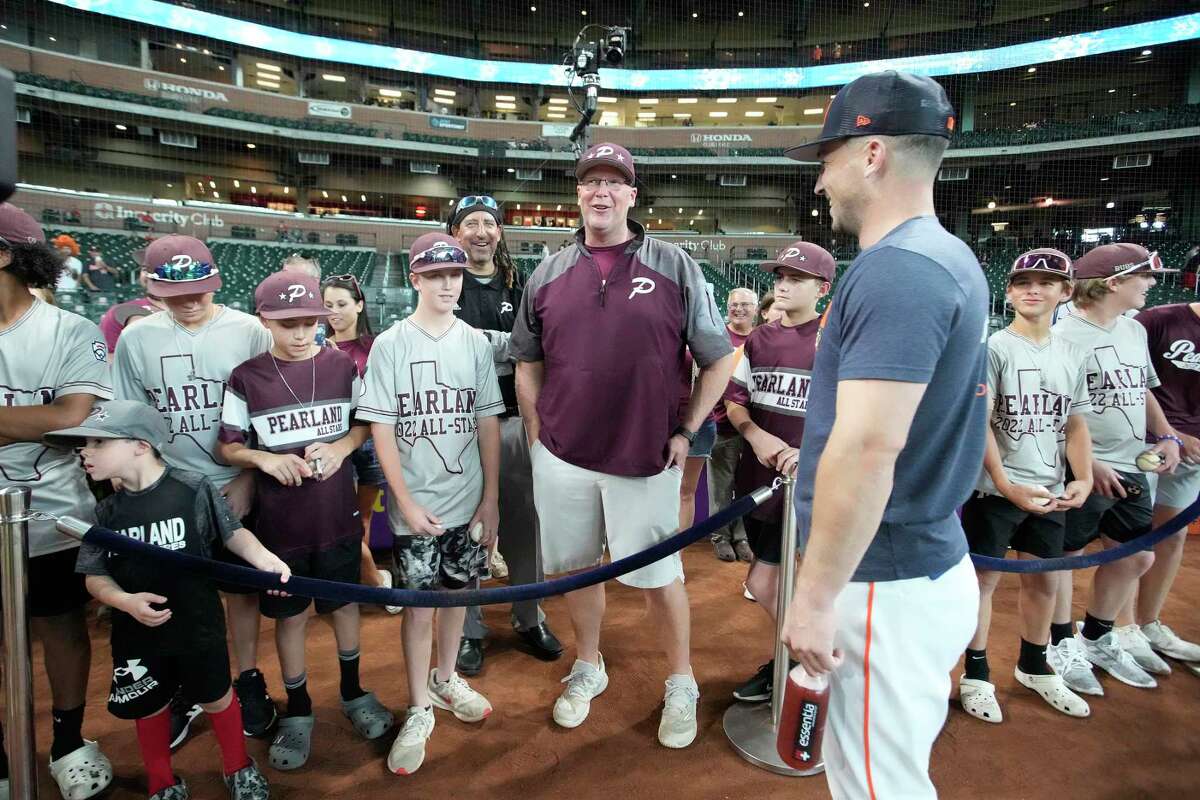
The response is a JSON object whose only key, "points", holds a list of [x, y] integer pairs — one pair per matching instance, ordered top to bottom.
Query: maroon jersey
{"points": [[1173, 334], [358, 349], [771, 381], [283, 407], [723, 427]]}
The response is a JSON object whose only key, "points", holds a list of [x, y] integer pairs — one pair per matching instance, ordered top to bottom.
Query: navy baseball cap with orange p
{"points": [[887, 103]]}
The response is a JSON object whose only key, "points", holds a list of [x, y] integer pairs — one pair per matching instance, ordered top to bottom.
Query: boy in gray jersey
{"points": [[1111, 280], [179, 362], [53, 367], [1038, 389]]}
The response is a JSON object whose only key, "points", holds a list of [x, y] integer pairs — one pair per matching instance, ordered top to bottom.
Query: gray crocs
{"points": [[369, 716], [292, 743]]}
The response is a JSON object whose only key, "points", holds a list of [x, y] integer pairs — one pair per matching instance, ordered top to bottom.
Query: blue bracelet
{"points": [[1173, 438]]}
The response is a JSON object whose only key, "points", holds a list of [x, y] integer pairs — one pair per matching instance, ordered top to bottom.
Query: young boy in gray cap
{"points": [[168, 629]]}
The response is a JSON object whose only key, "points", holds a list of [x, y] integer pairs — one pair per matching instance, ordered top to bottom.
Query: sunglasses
{"points": [[477, 200], [440, 253], [1043, 262], [1154, 262], [183, 269], [349, 278]]}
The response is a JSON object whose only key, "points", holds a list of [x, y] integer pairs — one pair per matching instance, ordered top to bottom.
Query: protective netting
{"points": [[343, 129]]}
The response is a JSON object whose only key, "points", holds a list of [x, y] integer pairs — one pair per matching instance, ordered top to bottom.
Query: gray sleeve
{"points": [[705, 330], [499, 341], [525, 341], [83, 365], [126, 383], [212, 510], [91, 560]]}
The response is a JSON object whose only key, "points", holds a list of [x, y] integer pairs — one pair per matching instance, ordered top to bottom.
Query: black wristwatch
{"points": [[685, 433]]}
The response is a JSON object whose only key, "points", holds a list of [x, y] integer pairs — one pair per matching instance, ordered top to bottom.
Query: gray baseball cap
{"points": [[115, 419]]}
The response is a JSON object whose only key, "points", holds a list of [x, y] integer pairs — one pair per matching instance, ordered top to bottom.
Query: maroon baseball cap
{"points": [[605, 154], [17, 227], [436, 251], [803, 257], [1045, 260], [1115, 260], [180, 265], [287, 295]]}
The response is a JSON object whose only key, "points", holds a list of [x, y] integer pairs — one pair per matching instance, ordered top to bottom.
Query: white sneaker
{"points": [[498, 566], [385, 580], [1164, 640], [1137, 645], [1107, 654], [1067, 659], [584, 683], [1052, 689], [456, 696], [978, 698], [677, 728], [408, 751], [82, 773]]}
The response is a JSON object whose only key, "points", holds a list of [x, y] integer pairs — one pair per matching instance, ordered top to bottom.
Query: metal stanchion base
{"points": [[748, 728]]}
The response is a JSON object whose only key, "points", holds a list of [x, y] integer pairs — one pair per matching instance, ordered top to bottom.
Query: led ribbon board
{"points": [[288, 43]]}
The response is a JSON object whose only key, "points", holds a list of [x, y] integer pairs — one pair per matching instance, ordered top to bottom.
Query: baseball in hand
{"points": [[1149, 461], [1041, 501], [477, 532]]}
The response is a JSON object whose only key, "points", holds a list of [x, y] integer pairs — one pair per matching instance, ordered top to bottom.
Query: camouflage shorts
{"points": [[449, 561]]}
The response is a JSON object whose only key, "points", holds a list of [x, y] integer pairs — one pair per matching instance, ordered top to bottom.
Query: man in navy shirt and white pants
{"points": [[599, 341], [886, 598]]}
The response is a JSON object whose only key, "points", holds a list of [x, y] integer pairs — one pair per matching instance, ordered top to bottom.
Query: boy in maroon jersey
{"points": [[766, 403], [287, 414]]}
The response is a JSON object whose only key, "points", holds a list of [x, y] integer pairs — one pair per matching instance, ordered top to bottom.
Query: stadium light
{"points": [[267, 67], [1031, 70], [333, 78], [445, 92], [391, 93], [506, 97], [608, 99], [727, 99], [765, 99], [558, 101], [648, 101], [683, 101], [812, 112], [755, 113], [718, 114], [552, 115], [682, 116], [121, 127], [250, 145], [212, 184], [237, 184], [253, 190], [287, 190], [344, 200], [991, 204], [1110, 204], [816, 213]]}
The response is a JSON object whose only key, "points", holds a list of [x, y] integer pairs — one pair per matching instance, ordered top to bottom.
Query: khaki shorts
{"points": [[1179, 490], [581, 511]]}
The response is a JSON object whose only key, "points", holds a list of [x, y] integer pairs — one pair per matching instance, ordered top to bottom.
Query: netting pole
{"points": [[18, 658]]}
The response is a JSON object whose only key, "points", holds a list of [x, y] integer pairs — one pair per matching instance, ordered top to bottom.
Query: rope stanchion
{"points": [[1144, 542], [354, 593], [18, 657]]}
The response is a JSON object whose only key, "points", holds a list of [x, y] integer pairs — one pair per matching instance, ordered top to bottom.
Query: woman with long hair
{"points": [[352, 335]]}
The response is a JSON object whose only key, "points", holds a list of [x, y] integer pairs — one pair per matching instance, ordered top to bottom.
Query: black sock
{"points": [[1094, 628], [1060, 631], [1032, 660], [348, 664], [976, 665], [299, 703], [68, 731], [3, 757]]}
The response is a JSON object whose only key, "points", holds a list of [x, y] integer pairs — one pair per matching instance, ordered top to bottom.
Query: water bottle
{"points": [[802, 719]]}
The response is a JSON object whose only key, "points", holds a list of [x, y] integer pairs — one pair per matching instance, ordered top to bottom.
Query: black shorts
{"points": [[1115, 518], [993, 525], [765, 538], [220, 553], [449, 561], [342, 562], [55, 587], [145, 682]]}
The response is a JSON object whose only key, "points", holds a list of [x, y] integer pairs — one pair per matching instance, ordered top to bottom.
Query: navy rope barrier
{"points": [[1143, 542], [354, 593]]}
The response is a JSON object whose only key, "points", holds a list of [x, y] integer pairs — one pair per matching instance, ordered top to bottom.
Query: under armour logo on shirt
{"points": [[641, 286], [134, 670]]}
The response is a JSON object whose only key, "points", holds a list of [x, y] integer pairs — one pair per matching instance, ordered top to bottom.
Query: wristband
{"points": [[685, 433], [1172, 437]]}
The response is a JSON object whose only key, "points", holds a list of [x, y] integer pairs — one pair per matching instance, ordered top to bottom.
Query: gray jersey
{"points": [[46, 354], [183, 373], [1119, 373], [1033, 390], [433, 391]]}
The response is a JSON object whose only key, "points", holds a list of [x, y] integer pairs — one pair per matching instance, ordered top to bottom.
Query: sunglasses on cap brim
{"points": [[477, 200], [440, 254], [1042, 262], [1154, 262], [193, 271], [332, 280]]}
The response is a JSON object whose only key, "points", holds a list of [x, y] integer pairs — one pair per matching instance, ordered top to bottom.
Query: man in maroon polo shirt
{"points": [[600, 341]]}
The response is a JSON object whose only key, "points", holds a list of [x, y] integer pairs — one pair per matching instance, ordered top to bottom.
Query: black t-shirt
{"points": [[491, 305], [181, 511]]}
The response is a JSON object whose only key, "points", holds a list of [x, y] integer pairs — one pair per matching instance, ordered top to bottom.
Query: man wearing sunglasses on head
{"points": [[491, 293], [600, 339], [179, 362]]}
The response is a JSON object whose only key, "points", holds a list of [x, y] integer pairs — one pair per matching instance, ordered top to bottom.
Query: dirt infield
{"points": [[1137, 743]]}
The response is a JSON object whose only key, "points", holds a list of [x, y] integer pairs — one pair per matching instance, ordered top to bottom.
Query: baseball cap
{"points": [[887, 103], [605, 154], [472, 203], [17, 227], [436, 251], [803, 257], [1045, 260], [1115, 260], [180, 265], [288, 294], [123, 312], [115, 419]]}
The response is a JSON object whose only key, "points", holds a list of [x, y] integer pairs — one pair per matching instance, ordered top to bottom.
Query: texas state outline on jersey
{"points": [[441, 414]]}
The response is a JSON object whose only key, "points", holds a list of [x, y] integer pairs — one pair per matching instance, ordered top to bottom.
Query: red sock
{"points": [[228, 726], [154, 739]]}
